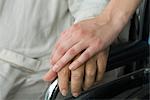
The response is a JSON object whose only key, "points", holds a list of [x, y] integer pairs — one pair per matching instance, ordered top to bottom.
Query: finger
{"points": [[57, 44], [64, 45], [60, 51], [53, 52], [88, 53], [69, 55], [101, 64], [90, 73], [50, 76], [63, 80], [77, 80]]}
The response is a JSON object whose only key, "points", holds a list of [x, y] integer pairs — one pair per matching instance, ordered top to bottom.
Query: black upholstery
{"points": [[127, 53], [134, 82]]}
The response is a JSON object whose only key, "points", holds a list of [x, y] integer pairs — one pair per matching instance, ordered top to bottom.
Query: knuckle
{"points": [[80, 29], [82, 33], [61, 50], [72, 52], [87, 55], [78, 62], [60, 63], [63, 72], [90, 73], [76, 76]]}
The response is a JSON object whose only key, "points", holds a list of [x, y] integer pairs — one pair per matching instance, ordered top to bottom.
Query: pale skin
{"points": [[91, 36]]}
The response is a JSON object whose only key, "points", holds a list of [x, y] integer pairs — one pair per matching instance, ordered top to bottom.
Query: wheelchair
{"points": [[134, 84]]}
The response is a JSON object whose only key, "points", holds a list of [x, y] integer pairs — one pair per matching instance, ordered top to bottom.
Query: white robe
{"points": [[28, 31]]}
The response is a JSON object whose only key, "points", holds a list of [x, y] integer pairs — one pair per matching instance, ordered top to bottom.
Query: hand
{"points": [[86, 37], [83, 77]]}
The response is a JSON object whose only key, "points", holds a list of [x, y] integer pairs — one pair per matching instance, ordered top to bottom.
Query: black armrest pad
{"points": [[126, 53], [113, 88]]}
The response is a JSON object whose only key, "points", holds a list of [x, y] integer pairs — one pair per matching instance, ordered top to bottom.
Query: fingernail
{"points": [[71, 67], [64, 92], [75, 94]]}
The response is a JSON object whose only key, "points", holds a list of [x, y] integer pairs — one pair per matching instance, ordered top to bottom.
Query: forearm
{"points": [[119, 12]]}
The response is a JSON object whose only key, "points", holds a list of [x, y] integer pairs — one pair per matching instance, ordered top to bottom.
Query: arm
{"points": [[119, 12], [100, 32]]}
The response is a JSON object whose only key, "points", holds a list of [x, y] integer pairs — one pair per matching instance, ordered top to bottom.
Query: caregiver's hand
{"points": [[91, 36], [86, 37]]}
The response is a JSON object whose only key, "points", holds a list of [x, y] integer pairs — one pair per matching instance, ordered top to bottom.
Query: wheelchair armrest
{"points": [[124, 54], [119, 55], [139, 78]]}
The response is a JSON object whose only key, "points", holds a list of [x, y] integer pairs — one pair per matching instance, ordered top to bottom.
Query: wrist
{"points": [[119, 12], [116, 21], [119, 21]]}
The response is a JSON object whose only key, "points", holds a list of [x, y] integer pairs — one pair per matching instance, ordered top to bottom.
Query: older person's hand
{"points": [[83, 77]]}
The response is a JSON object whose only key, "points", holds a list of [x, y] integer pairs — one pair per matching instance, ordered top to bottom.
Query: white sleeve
{"points": [[85, 9]]}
